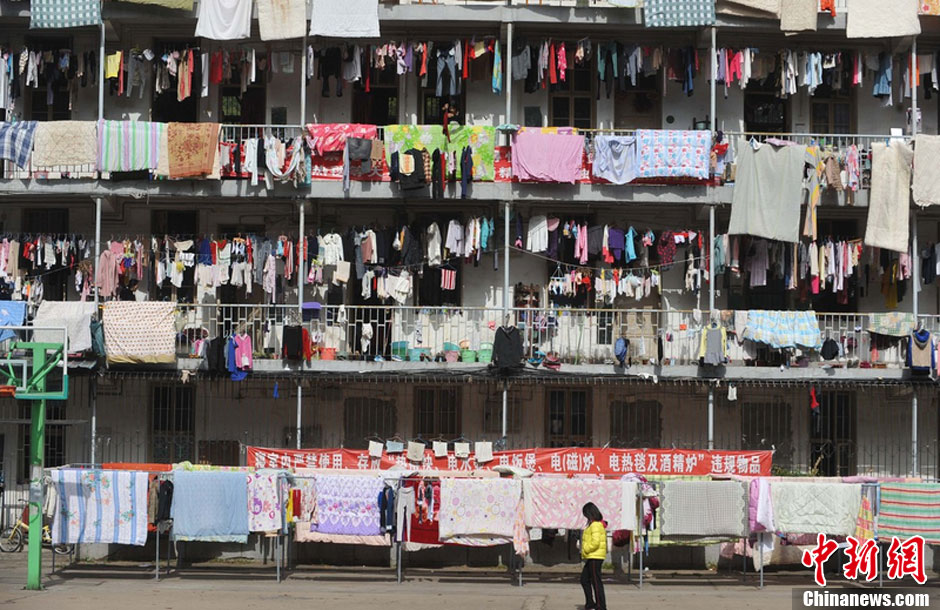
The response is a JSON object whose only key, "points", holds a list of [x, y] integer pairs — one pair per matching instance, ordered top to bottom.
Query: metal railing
{"points": [[239, 133], [11, 171], [577, 336]]}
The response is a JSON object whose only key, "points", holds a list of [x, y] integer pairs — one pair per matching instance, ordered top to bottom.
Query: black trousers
{"points": [[592, 585]]}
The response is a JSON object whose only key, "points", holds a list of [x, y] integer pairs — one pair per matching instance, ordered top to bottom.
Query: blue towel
{"points": [[12, 313], [210, 506]]}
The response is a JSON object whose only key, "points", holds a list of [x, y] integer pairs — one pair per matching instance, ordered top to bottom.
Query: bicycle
{"points": [[13, 538]]}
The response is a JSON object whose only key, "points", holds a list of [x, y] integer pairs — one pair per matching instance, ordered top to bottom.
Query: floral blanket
{"points": [[671, 154], [348, 504], [264, 505], [479, 507]]}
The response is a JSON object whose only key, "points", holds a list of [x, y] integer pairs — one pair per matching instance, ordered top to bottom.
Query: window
{"points": [[572, 101], [37, 102], [166, 105], [379, 105], [432, 106], [639, 107], [240, 108], [831, 111], [764, 112], [46, 220], [174, 222], [184, 225], [57, 279], [430, 291], [605, 327], [437, 412], [493, 413], [364, 417], [569, 419], [173, 424], [637, 424], [766, 425], [832, 435], [220, 453], [54, 454]]}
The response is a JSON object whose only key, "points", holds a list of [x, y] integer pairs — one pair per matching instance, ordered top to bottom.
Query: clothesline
{"points": [[588, 267]]}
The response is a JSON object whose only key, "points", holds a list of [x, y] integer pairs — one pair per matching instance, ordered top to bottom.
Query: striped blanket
{"points": [[126, 146], [100, 507], [910, 509]]}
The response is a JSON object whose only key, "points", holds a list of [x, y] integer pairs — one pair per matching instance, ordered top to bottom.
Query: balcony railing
{"points": [[577, 336]]}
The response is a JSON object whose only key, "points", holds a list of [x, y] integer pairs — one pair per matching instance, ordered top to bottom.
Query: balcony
{"points": [[459, 339]]}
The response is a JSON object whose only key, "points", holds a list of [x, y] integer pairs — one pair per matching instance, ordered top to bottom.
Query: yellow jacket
{"points": [[594, 542]]}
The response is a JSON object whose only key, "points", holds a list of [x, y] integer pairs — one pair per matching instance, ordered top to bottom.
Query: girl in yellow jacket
{"points": [[593, 552]]}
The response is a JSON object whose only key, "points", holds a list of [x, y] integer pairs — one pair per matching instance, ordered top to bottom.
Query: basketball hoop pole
{"points": [[37, 454]]}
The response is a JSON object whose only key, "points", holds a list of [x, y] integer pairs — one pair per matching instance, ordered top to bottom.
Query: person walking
{"points": [[593, 552]]}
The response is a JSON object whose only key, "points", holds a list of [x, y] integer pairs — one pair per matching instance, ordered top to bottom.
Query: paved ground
{"points": [[233, 586]]}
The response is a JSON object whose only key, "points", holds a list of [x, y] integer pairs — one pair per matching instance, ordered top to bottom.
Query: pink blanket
{"points": [[331, 137], [545, 157], [556, 503]]}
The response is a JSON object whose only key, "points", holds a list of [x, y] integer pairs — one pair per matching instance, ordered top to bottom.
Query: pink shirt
{"points": [[243, 352]]}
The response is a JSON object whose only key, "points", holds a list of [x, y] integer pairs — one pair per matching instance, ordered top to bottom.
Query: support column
{"points": [[101, 75], [303, 83], [507, 86], [713, 107], [506, 242], [711, 258], [915, 268], [301, 276], [93, 401], [505, 414], [711, 417], [915, 467]]}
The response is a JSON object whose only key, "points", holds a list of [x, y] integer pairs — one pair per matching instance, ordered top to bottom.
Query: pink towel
{"points": [[547, 157]]}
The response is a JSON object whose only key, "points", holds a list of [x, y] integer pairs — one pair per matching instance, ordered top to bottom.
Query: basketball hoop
{"points": [[7, 390]]}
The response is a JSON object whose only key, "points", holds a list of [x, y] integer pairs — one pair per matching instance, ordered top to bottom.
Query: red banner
{"points": [[555, 461]]}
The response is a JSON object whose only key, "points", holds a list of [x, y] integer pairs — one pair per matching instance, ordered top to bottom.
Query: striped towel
{"points": [[16, 141], [127, 146], [910, 509]]}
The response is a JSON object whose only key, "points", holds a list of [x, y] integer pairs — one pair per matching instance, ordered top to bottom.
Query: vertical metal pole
{"points": [[914, 69], [508, 73], [101, 75], [303, 83], [713, 108], [506, 242], [97, 248], [915, 252], [711, 258], [301, 275], [93, 399], [505, 411], [711, 418], [37, 453], [915, 468], [760, 543], [156, 561]]}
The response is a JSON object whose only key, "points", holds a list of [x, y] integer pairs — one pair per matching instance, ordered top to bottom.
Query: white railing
{"points": [[578, 336]]}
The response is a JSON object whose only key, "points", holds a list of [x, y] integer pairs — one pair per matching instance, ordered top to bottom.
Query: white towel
{"points": [[765, 9], [798, 15], [224, 19], [280, 19], [345, 19], [872, 19], [926, 176], [628, 506]]}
